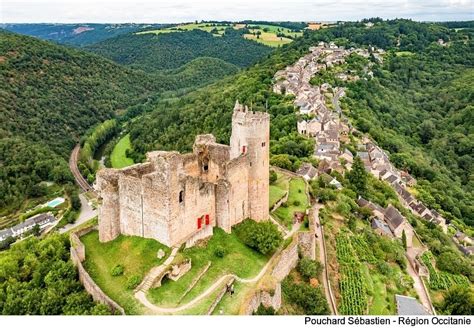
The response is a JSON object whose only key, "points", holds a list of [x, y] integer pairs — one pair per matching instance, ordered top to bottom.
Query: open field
{"points": [[207, 27], [268, 32], [269, 39], [119, 156], [297, 201], [137, 256], [238, 259]]}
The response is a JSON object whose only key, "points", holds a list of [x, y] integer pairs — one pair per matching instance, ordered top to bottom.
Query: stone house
{"points": [[307, 171], [176, 198], [398, 224], [381, 228]]}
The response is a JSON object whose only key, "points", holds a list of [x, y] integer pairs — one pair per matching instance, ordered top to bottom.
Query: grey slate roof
{"points": [[307, 169], [393, 217], [378, 224], [5, 233], [409, 306]]}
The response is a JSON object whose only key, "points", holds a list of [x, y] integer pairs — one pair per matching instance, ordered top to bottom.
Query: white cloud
{"points": [[159, 11]]}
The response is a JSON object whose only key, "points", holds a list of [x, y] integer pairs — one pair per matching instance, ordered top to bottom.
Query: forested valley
{"points": [[51, 95]]}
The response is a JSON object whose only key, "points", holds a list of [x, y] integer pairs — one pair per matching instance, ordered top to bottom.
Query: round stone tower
{"points": [[251, 136]]}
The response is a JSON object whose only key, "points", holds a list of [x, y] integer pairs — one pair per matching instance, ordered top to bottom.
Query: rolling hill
{"points": [[171, 50]]}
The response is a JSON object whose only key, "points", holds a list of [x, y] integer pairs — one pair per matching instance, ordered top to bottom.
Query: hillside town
{"points": [[330, 127]]}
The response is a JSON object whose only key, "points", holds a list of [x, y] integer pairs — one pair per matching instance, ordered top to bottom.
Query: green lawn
{"points": [[119, 157], [278, 189], [296, 193], [137, 256], [239, 259], [230, 305]]}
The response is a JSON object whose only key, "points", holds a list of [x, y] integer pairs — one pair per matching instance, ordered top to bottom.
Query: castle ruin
{"points": [[178, 198]]}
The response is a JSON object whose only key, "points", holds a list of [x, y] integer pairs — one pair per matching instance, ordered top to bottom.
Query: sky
{"points": [[176, 11]]}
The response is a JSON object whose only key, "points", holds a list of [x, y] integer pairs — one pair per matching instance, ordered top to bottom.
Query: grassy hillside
{"points": [[171, 50]]}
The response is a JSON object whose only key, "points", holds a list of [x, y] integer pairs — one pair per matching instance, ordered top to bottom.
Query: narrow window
{"points": [[263, 144], [244, 149], [181, 196]]}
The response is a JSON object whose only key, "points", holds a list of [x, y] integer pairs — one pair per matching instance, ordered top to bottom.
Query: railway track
{"points": [[83, 184]]}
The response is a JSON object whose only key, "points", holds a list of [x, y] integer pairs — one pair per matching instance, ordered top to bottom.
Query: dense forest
{"points": [[171, 50], [50, 95], [173, 125], [38, 278]]}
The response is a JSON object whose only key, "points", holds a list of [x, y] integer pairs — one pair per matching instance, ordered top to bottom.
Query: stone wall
{"points": [[280, 202], [307, 244], [78, 256], [286, 262], [266, 298]]}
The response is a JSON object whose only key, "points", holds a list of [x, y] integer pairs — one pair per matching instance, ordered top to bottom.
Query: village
{"points": [[330, 129]]}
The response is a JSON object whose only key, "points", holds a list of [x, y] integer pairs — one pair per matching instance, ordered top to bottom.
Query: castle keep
{"points": [[177, 198]]}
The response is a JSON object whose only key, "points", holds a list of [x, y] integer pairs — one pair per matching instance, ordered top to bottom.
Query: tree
{"points": [[273, 176], [358, 176], [36, 230], [261, 236], [404, 240], [309, 268], [459, 300]]}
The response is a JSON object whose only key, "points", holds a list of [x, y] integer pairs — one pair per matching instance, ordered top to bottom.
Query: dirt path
{"points": [[322, 258], [420, 288], [142, 298]]}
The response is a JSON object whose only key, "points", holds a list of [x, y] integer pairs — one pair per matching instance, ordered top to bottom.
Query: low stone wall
{"points": [[280, 202], [200, 235], [307, 244], [78, 255], [286, 262], [220, 296], [266, 299]]}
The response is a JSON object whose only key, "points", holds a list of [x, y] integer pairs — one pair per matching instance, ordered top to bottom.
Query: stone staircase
{"points": [[155, 273]]}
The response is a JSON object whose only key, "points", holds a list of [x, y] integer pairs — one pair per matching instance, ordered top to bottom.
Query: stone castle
{"points": [[178, 198]]}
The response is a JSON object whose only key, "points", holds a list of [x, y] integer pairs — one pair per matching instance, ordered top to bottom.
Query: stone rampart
{"points": [[78, 256], [286, 262], [266, 298]]}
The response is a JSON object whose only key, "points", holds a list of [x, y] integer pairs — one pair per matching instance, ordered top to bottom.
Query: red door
{"points": [[244, 148], [207, 220], [199, 222]]}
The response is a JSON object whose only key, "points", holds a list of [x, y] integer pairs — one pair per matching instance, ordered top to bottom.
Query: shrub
{"points": [[273, 176], [296, 203], [263, 236], [220, 252], [309, 268], [117, 270], [133, 282], [310, 299], [262, 310]]}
